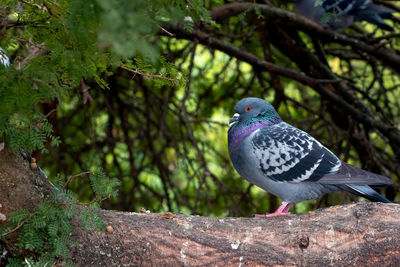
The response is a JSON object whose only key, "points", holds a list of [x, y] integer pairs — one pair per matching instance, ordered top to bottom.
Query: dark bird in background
{"points": [[339, 14], [288, 162]]}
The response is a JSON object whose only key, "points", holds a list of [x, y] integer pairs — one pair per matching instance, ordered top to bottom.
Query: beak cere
{"points": [[234, 118]]}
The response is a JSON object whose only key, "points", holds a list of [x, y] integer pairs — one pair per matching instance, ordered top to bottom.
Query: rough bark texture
{"points": [[20, 188], [362, 234]]}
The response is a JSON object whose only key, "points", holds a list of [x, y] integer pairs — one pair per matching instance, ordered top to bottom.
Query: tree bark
{"points": [[362, 234]]}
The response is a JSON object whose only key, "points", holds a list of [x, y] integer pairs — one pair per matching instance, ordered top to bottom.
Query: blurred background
{"points": [[144, 90]]}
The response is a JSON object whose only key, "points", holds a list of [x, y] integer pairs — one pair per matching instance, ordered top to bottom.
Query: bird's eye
{"points": [[248, 108]]}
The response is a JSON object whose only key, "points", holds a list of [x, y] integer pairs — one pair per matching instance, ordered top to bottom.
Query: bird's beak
{"points": [[234, 118]]}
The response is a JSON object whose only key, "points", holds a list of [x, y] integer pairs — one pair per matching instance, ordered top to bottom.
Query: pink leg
{"points": [[282, 210]]}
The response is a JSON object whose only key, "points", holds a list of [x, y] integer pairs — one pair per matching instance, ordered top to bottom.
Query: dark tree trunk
{"points": [[362, 234]]}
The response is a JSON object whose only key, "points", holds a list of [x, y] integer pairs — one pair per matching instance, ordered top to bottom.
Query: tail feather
{"points": [[375, 14], [378, 21], [365, 191]]}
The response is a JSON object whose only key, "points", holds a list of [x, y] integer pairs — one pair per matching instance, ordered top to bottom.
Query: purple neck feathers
{"points": [[237, 133]]}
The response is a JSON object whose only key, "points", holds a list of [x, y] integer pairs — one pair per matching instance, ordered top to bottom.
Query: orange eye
{"points": [[248, 108]]}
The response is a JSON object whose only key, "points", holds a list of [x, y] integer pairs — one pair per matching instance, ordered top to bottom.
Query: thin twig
{"points": [[45, 7], [49, 10], [167, 32], [35, 52], [148, 75], [84, 88], [47, 115], [74, 176], [96, 201], [13, 230]]}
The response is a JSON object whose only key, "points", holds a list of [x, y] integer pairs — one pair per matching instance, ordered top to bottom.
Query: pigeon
{"points": [[339, 14], [288, 162]]}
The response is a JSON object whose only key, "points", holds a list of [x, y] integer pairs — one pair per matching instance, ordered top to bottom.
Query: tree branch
{"points": [[386, 55], [245, 56], [147, 75], [360, 114], [70, 178], [362, 234]]}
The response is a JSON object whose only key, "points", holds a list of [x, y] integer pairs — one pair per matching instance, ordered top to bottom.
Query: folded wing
{"points": [[287, 154]]}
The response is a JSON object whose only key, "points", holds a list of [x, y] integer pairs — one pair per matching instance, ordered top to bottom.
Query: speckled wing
{"points": [[287, 154]]}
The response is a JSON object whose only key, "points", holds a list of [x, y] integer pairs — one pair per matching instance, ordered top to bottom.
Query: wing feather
{"points": [[287, 154], [349, 174]]}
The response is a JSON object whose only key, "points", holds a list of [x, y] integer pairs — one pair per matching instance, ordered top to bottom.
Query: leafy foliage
{"points": [[71, 41], [102, 186], [47, 230]]}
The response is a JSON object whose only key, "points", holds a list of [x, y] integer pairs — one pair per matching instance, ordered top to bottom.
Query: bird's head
{"points": [[252, 109]]}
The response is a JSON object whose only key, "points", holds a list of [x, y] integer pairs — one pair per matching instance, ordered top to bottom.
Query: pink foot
{"points": [[282, 210]]}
